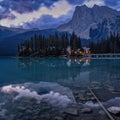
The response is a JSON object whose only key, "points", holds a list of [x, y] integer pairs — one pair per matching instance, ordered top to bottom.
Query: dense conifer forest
{"points": [[53, 45], [57, 45], [109, 45]]}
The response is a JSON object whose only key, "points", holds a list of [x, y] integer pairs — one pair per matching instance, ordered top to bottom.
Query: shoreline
{"points": [[86, 107]]}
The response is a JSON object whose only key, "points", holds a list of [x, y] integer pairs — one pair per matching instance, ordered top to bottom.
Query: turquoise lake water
{"points": [[69, 72], [29, 86]]}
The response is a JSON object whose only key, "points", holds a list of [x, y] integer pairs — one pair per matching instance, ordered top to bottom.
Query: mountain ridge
{"points": [[86, 21]]}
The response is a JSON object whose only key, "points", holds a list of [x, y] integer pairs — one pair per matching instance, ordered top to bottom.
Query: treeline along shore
{"points": [[64, 44], [52, 45], [109, 45]]}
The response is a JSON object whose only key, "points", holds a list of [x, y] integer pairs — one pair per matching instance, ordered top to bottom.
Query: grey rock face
{"points": [[93, 23]]}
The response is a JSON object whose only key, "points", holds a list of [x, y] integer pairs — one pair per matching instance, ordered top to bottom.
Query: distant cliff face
{"points": [[93, 23]]}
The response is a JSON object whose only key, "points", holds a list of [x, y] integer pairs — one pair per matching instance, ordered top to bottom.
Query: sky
{"points": [[44, 14]]}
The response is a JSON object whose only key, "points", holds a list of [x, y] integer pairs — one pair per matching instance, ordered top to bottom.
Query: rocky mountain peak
{"points": [[85, 20]]}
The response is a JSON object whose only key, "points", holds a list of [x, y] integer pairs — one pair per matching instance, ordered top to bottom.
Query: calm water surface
{"points": [[72, 72], [36, 88]]}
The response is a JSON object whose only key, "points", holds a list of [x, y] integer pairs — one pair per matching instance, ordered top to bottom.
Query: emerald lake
{"points": [[74, 71], [40, 88]]}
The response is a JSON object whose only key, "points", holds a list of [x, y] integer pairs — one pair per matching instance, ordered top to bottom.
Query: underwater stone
{"points": [[86, 110], [114, 110], [72, 111], [101, 112], [58, 118]]}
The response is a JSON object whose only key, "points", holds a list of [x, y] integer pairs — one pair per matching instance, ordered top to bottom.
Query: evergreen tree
{"points": [[51, 45], [110, 45]]}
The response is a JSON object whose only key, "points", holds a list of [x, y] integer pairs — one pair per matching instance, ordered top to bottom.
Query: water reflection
{"points": [[83, 61], [69, 63], [80, 71], [75, 72], [105, 72]]}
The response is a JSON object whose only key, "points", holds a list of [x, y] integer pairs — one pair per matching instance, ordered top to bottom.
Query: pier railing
{"points": [[116, 55]]}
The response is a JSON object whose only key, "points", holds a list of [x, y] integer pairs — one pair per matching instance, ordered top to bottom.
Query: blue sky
{"points": [[43, 14]]}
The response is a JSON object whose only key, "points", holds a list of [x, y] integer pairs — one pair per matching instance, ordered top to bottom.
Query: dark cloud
{"points": [[75, 2], [111, 2], [26, 5], [22, 6], [7, 15], [46, 22]]}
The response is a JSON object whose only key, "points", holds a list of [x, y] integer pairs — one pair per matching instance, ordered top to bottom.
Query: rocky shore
{"points": [[85, 108]]}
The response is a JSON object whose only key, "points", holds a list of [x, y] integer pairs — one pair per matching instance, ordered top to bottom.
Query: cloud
{"points": [[75, 2], [91, 3], [113, 4], [22, 6], [118, 6], [56, 10], [43, 13], [47, 22]]}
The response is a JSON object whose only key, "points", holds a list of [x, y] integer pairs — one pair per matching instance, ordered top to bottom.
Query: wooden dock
{"points": [[110, 55]]}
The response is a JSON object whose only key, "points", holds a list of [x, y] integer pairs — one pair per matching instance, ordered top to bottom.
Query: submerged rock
{"points": [[97, 87], [111, 89], [82, 91], [89, 94], [81, 97], [92, 98], [21, 108], [86, 110], [114, 110], [72, 111], [3, 112], [101, 112], [58, 118]]}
